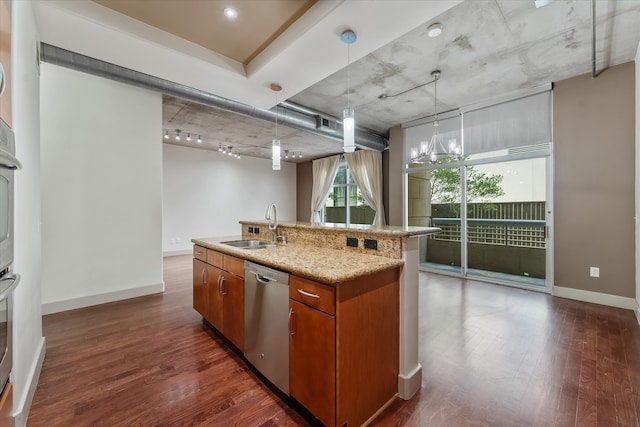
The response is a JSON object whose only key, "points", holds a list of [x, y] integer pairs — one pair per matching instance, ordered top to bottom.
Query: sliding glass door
{"points": [[493, 203], [506, 221], [500, 232]]}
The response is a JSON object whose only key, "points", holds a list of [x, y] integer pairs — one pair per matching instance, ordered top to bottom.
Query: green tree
{"points": [[481, 186]]}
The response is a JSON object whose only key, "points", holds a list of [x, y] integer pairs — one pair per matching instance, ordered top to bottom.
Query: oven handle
{"points": [[3, 80], [9, 161], [7, 288]]}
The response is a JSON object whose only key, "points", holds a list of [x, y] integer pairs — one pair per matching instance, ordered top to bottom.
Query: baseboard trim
{"points": [[180, 252], [595, 297], [72, 304], [637, 310], [409, 384], [22, 413]]}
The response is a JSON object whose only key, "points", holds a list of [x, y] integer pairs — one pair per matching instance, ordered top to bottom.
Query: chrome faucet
{"points": [[273, 223]]}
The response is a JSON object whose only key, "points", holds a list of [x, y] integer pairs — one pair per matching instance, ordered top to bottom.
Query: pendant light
{"points": [[348, 37], [275, 144], [435, 151]]}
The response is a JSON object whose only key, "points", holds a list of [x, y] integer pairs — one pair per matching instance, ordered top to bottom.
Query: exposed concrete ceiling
{"points": [[487, 48], [244, 135]]}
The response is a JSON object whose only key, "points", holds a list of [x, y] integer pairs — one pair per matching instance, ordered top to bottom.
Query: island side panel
{"points": [[367, 340], [410, 377]]}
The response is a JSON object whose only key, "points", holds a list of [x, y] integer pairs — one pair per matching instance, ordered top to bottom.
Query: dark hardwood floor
{"points": [[491, 356]]}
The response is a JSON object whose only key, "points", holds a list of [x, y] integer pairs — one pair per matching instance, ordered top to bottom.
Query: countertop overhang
{"points": [[381, 230], [329, 266]]}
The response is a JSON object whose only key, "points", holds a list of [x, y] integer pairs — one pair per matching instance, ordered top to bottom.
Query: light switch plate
{"points": [[594, 271]]}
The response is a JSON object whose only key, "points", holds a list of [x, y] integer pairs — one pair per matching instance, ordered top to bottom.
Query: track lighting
{"points": [[178, 133]]}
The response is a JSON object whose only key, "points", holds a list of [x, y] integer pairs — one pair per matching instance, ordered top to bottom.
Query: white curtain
{"points": [[366, 168], [324, 172]]}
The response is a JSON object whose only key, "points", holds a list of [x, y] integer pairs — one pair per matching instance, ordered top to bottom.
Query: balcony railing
{"points": [[505, 232]]}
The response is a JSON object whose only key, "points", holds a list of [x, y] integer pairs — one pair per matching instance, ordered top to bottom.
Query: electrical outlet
{"points": [[250, 229], [256, 230], [352, 242], [371, 244], [594, 271]]}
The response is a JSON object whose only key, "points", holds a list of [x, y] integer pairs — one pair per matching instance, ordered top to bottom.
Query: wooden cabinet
{"points": [[5, 61], [200, 288], [218, 292], [215, 297], [233, 309], [344, 344], [312, 369]]}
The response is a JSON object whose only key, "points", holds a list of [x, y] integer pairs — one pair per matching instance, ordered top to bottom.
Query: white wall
{"points": [[101, 155], [637, 183], [206, 193], [28, 343]]}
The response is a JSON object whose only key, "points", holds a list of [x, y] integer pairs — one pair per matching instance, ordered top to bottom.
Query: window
{"points": [[345, 204]]}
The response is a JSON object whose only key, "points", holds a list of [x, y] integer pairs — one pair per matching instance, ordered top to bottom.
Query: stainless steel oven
{"points": [[8, 165], [8, 279]]}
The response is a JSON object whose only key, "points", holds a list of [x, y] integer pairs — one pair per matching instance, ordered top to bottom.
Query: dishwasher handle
{"points": [[262, 278]]}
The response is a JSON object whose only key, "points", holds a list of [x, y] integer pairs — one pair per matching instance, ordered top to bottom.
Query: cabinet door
{"points": [[5, 59], [200, 288], [215, 296], [233, 310], [313, 360]]}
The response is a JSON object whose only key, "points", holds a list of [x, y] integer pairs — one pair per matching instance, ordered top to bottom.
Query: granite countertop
{"points": [[383, 230], [329, 266]]}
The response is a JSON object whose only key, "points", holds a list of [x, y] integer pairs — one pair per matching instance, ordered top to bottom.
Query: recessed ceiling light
{"points": [[542, 3], [230, 12], [434, 30]]}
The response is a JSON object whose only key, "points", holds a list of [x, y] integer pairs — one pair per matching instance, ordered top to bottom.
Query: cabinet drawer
{"points": [[200, 253], [214, 258], [233, 265], [313, 294]]}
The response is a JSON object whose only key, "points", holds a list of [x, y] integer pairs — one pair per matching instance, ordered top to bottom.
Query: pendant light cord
{"points": [[348, 73], [435, 102], [276, 115]]}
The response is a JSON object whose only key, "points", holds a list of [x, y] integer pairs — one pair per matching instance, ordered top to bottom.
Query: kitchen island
{"points": [[359, 286]]}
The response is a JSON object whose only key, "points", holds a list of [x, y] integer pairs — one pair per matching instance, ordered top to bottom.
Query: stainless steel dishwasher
{"points": [[266, 322]]}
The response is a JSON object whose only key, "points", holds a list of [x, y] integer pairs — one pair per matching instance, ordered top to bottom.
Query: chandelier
{"points": [[435, 150]]}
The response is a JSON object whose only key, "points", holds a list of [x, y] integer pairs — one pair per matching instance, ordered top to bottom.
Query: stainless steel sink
{"points": [[249, 244]]}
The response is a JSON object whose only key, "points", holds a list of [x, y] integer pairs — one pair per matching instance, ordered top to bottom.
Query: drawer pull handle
{"points": [[199, 253], [308, 294]]}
